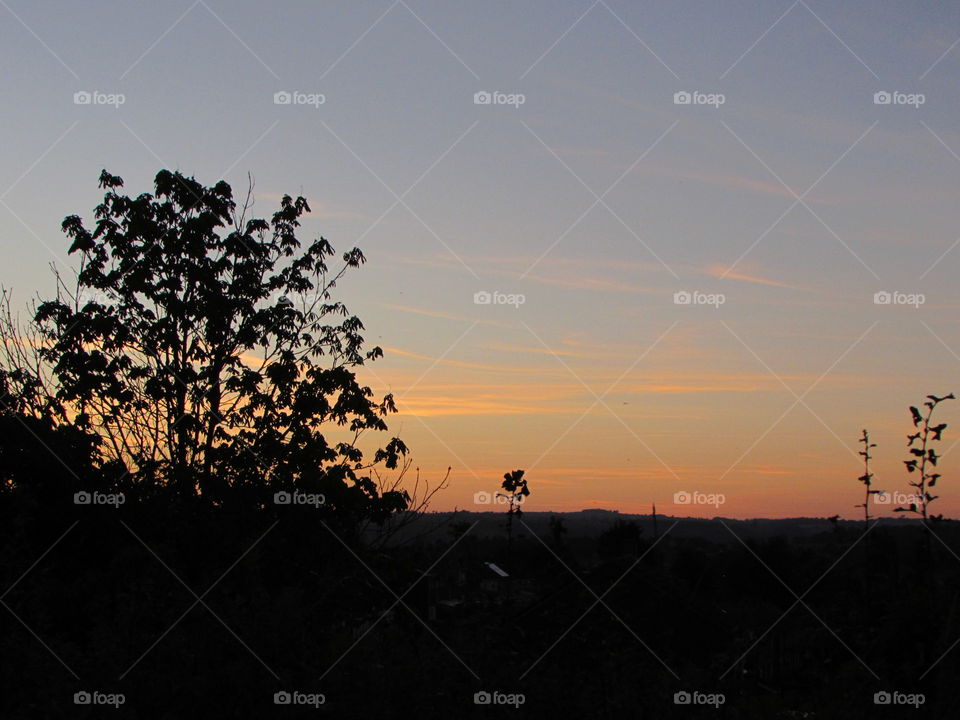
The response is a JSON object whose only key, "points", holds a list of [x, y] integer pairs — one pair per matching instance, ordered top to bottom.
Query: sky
{"points": [[570, 269]]}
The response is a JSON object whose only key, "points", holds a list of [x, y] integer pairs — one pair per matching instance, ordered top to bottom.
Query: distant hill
{"points": [[591, 522]]}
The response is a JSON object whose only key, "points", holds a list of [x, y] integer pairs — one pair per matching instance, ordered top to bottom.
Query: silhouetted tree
{"points": [[206, 350], [924, 457]]}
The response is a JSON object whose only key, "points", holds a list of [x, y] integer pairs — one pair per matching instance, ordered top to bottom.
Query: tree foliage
{"points": [[206, 350]]}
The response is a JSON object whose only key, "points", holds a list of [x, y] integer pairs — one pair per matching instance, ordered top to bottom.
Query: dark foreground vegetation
{"points": [[199, 521], [190, 610]]}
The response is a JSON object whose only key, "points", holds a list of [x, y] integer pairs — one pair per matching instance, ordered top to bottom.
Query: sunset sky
{"points": [[597, 199]]}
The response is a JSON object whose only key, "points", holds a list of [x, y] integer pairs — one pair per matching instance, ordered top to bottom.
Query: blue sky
{"points": [[598, 198]]}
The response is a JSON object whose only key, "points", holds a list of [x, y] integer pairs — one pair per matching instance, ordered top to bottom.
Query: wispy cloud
{"points": [[721, 271], [426, 312], [530, 349], [458, 363]]}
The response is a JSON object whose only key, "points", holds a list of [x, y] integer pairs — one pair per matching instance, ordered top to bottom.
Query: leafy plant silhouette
{"points": [[924, 457], [867, 477], [516, 486]]}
